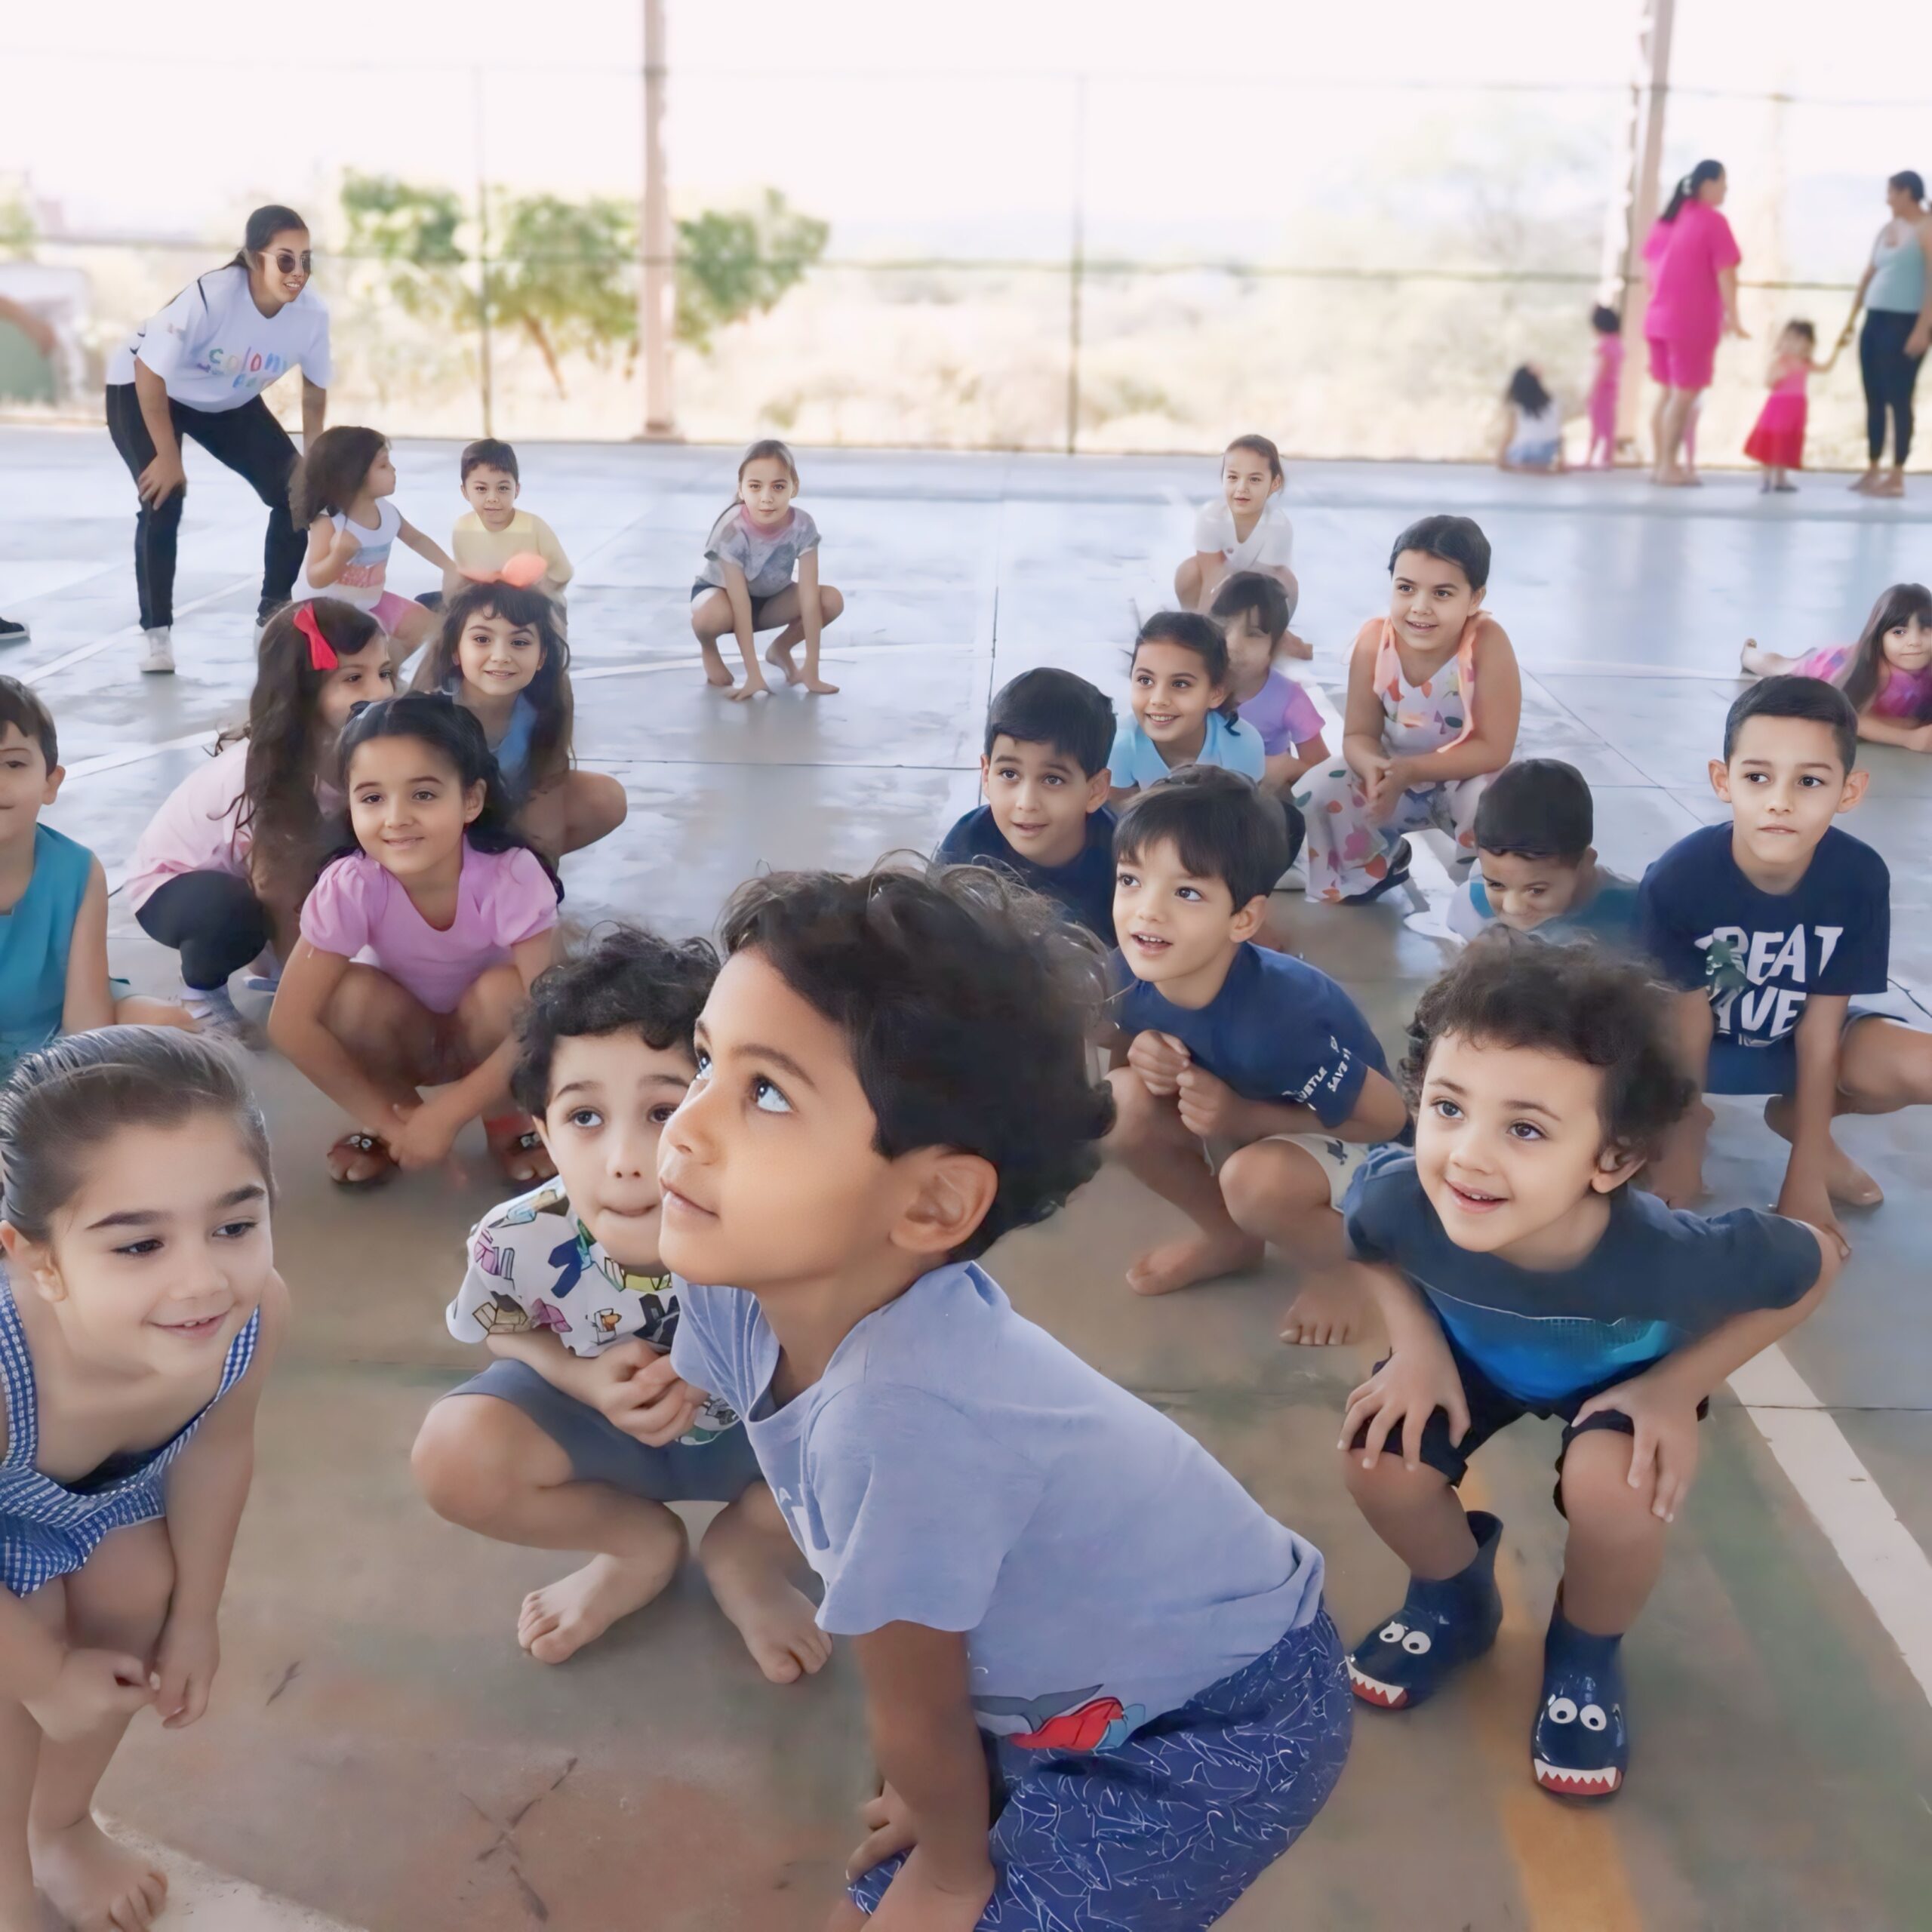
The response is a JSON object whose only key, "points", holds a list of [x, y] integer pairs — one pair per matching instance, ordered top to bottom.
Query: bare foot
{"points": [[1296, 646], [780, 658], [714, 670], [816, 684], [752, 687], [520, 1155], [1845, 1181], [1197, 1257], [1329, 1311], [557, 1621], [777, 1622], [95, 1885]]}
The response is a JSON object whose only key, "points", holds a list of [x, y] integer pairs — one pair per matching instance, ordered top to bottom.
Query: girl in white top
{"points": [[197, 369], [1533, 436], [342, 493], [1244, 531]]}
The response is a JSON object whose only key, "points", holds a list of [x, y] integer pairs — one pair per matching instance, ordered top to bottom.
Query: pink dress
{"points": [[1603, 391], [1777, 439], [1905, 695]]}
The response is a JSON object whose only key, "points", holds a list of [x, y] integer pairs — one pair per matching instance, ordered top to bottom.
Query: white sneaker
{"points": [[160, 659], [214, 1013]]}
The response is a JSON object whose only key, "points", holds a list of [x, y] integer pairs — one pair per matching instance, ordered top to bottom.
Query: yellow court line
{"points": [[1569, 1864]]}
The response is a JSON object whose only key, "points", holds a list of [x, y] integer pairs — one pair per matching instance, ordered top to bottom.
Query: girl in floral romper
{"points": [[1418, 744]]}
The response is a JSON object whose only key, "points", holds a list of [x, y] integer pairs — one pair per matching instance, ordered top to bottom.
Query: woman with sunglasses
{"points": [[197, 369]]}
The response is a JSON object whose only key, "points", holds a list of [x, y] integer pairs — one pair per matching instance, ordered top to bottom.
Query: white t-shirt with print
{"points": [[215, 350], [1270, 545], [364, 577]]}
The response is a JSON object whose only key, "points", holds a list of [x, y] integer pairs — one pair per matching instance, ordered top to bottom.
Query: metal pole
{"points": [[1655, 20], [1076, 263], [657, 294], [489, 376]]}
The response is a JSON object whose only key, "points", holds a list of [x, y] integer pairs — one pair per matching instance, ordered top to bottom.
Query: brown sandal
{"points": [[363, 1147]]}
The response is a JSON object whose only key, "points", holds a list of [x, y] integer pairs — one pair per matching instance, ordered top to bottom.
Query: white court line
{"points": [[80, 653], [1892, 1574]]}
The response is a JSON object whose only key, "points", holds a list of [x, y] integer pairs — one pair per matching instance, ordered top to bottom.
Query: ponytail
{"points": [[1705, 171]]}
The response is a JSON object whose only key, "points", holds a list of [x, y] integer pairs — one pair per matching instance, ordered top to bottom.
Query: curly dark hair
{"points": [[327, 480], [549, 691], [622, 980], [968, 1000], [1583, 1001]]}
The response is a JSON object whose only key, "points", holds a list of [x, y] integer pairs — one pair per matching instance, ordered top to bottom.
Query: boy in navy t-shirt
{"points": [[1046, 819], [1777, 927], [1256, 1054], [1519, 1273], [1042, 1576]]}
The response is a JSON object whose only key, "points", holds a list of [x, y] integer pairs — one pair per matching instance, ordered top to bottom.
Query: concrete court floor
{"points": [[379, 1749]]}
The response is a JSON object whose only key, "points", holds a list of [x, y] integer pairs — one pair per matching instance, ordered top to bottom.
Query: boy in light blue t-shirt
{"points": [[1039, 1572]]}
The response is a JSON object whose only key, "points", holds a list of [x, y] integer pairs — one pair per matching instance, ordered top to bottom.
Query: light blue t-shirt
{"points": [[1135, 761], [1609, 917], [956, 1467]]}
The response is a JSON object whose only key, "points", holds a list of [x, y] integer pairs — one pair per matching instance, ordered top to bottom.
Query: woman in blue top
{"points": [[1896, 291], [1182, 692]]}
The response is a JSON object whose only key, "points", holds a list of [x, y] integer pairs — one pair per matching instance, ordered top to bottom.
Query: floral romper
{"points": [[1347, 852]]}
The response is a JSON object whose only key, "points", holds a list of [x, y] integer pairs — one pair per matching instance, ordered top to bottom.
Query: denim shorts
{"points": [[1735, 1068], [719, 1471]]}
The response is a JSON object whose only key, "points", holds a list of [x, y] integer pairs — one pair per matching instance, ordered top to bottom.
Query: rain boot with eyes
{"points": [[1439, 1626]]}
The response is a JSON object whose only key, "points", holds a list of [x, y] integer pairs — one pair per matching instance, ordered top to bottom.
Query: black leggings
{"points": [[1889, 374], [252, 444], [1297, 825], [214, 920]]}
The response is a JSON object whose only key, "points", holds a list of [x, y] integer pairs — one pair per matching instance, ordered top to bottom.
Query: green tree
{"points": [[412, 231], [730, 264], [564, 272]]}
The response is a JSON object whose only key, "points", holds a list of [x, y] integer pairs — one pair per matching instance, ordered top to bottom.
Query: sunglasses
{"points": [[289, 264]]}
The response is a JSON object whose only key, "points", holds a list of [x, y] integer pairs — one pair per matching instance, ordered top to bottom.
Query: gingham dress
{"points": [[48, 1530]]}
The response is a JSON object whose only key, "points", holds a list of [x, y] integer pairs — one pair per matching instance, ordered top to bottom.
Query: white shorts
{"points": [[1337, 1159]]}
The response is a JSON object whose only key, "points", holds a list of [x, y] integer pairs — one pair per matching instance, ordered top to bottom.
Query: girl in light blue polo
{"points": [[1182, 692]]}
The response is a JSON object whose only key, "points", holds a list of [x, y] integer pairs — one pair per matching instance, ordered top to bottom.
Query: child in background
{"points": [[1604, 389], [1534, 439], [1776, 441], [341, 491], [494, 530], [1244, 531], [745, 583], [1253, 617], [502, 657], [1886, 676], [1181, 688], [1419, 742], [1046, 818], [1538, 869], [220, 873], [1777, 928], [418, 949], [53, 977], [1247, 1085], [1519, 1273], [139, 1310], [578, 1433], [1044, 1579]]}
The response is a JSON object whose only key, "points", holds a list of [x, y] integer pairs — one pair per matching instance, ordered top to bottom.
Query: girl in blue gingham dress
{"points": [[139, 1307]]}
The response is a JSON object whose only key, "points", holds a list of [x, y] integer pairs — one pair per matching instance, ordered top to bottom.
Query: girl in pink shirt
{"points": [[1609, 327], [418, 949]]}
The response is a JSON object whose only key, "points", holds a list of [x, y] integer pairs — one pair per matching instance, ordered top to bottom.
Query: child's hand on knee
{"points": [[1160, 1059], [1210, 1107], [1419, 1378], [1664, 1449], [185, 1664], [93, 1688], [889, 1831]]}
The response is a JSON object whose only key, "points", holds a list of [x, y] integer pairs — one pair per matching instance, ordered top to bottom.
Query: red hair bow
{"points": [[521, 572], [322, 653]]}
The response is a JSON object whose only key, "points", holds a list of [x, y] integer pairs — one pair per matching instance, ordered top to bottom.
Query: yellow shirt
{"points": [[476, 549]]}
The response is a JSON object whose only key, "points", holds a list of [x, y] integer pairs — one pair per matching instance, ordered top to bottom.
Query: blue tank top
{"points": [[35, 940]]}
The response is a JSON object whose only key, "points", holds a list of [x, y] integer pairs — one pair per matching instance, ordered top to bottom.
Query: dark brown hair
{"points": [[1260, 446], [332, 472], [1205, 639], [1865, 670], [549, 691], [22, 707]]}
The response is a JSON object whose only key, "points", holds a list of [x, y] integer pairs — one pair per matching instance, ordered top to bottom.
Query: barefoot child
{"points": [[1776, 441], [342, 492], [493, 529], [1244, 530], [745, 583], [500, 654], [1886, 676], [1180, 687], [1435, 698], [1046, 819], [221, 870], [1538, 870], [1777, 928], [419, 945], [53, 977], [1247, 1086], [1520, 1273], [139, 1309], [578, 1434], [1050, 1588]]}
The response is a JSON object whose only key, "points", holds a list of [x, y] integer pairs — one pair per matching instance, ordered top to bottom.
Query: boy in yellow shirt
{"points": [[495, 530]]}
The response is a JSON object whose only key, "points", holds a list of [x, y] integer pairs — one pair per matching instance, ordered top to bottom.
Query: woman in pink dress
{"points": [[1693, 273]]}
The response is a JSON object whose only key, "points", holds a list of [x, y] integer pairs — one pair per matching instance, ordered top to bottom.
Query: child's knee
{"points": [[830, 603], [605, 805], [1271, 1180], [463, 1460], [1389, 1483], [1597, 1491], [119, 1599]]}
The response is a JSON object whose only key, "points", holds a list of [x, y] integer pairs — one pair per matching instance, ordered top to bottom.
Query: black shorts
{"points": [[700, 589], [1492, 1409]]}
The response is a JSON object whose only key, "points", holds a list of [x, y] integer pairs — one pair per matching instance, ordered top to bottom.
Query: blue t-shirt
{"points": [[1135, 761], [1085, 886], [1609, 917], [1760, 955], [1279, 1030], [1659, 1280], [956, 1467]]}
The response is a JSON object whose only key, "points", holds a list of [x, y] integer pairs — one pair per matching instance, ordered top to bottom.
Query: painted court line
{"points": [[1877, 1551]]}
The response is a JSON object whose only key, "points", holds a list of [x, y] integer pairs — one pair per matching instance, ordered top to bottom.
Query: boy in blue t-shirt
{"points": [[1046, 819], [1537, 870], [1777, 927], [1256, 1054], [1519, 1273], [1042, 1576]]}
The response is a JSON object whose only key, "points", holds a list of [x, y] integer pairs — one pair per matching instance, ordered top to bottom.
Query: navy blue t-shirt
{"points": [[1085, 887], [1760, 955], [1279, 1030], [1659, 1280]]}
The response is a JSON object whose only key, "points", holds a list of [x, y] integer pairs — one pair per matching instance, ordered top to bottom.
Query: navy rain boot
{"points": [[1439, 1626], [1578, 1745]]}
